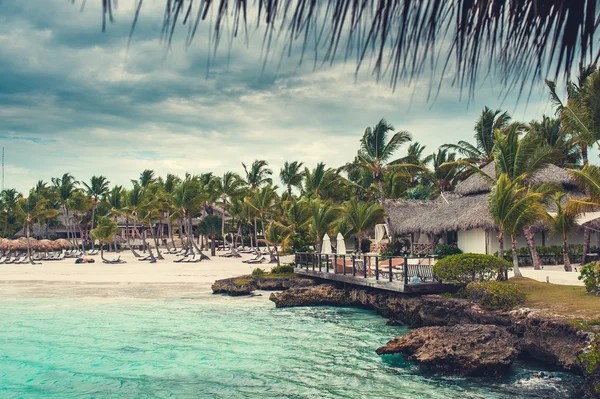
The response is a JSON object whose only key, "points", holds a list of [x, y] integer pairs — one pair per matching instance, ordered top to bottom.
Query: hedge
{"points": [[464, 268], [494, 295]]}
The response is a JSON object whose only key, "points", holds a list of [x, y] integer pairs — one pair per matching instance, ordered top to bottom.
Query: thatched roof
{"points": [[477, 183], [438, 216]]}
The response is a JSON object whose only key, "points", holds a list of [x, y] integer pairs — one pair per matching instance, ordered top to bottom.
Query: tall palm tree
{"points": [[551, 134], [376, 150], [481, 153], [446, 173], [258, 174], [291, 175], [146, 178], [319, 181], [64, 187], [169, 187], [227, 187], [97, 189], [190, 196], [9, 199], [134, 200], [263, 201], [116, 202], [78, 205], [513, 208], [31, 209], [295, 216], [361, 217], [564, 221], [105, 233]]}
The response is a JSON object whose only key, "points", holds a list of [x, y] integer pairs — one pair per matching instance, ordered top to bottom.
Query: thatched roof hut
{"points": [[478, 183]]}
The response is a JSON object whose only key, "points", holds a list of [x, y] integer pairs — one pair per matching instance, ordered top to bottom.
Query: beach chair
{"points": [[145, 258], [182, 259], [262, 259], [114, 261]]}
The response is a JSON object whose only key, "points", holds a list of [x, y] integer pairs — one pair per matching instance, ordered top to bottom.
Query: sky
{"points": [[72, 99]]}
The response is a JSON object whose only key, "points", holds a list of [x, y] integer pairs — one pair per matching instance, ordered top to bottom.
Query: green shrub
{"points": [[365, 245], [443, 250], [385, 255], [464, 268], [283, 269], [258, 272], [590, 275], [242, 281], [494, 295]]}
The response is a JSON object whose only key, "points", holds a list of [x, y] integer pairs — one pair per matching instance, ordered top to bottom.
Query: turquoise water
{"points": [[215, 347]]}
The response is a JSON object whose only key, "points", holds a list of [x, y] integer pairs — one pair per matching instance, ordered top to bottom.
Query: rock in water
{"points": [[243, 285], [320, 295], [465, 350]]}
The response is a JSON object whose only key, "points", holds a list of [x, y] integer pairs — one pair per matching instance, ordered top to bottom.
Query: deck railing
{"points": [[395, 268]]}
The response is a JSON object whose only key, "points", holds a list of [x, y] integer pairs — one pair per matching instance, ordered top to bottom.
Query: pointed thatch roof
{"points": [[477, 183]]}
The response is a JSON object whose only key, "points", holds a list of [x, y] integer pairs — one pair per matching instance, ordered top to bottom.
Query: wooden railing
{"points": [[393, 268]]}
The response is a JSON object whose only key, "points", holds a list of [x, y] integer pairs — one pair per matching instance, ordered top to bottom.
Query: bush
{"points": [[302, 243], [443, 250], [385, 255], [464, 268], [283, 269], [258, 272], [590, 275], [494, 295]]}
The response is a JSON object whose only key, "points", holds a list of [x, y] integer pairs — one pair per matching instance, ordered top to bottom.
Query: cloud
{"points": [[73, 100]]}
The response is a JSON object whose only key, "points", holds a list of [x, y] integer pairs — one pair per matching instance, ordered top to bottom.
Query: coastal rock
{"points": [[282, 283], [235, 286], [318, 295], [465, 350]]}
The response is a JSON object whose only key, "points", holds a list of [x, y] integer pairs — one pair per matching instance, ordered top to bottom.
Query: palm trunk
{"points": [[93, 217], [223, 222], [28, 226], [170, 230], [135, 231], [256, 236], [129, 238], [359, 242], [212, 244], [501, 245], [586, 245], [565, 250], [102, 252], [158, 254], [535, 256], [515, 257], [152, 258]]}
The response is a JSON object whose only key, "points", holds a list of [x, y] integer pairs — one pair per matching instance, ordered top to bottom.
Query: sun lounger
{"points": [[145, 258], [260, 260], [114, 261]]}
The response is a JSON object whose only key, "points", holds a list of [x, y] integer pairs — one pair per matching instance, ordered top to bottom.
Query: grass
{"points": [[282, 275], [242, 281], [566, 300]]}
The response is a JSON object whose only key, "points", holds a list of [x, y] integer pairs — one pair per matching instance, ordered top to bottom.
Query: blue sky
{"points": [[72, 100]]}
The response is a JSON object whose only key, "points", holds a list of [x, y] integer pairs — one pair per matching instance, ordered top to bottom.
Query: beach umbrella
{"points": [[22, 243], [3, 244], [341, 244], [46, 245], [326, 248]]}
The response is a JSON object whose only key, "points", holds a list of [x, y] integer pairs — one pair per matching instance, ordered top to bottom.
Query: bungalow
{"points": [[462, 217]]}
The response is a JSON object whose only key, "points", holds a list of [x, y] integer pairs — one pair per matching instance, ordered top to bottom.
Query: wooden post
{"points": [[312, 261], [320, 261], [327, 263], [334, 263], [344, 264], [353, 265], [365, 266], [377, 268], [390, 269], [405, 269]]}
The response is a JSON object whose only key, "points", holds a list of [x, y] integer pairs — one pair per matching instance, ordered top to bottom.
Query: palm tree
{"points": [[551, 134], [376, 150], [481, 153], [446, 172], [258, 174], [291, 175], [146, 178], [318, 182], [169, 186], [64, 187], [227, 187], [97, 189], [190, 196], [9, 199], [263, 201], [116, 202], [78, 204], [513, 208], [31, 209], [295, 216], [323, 216], [362, 217], [564, 221], [209, 227], [105, 233]]}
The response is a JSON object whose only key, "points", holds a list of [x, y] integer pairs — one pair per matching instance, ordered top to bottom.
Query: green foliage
{"points": [[210, 226], [302, 242], [443, 250], [385, 255], [465, 268], [283, 269], [258, 272], [590, 275], [242, 281], [494, 295], [591, 358]]}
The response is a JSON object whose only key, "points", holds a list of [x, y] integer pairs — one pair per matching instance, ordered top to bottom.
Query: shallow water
{"points": [[217, 347]]}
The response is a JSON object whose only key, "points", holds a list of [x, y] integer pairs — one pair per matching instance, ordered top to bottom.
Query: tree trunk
{"points": [[289, 190], [93, 217], [223, 222], [27, 227], [170, 230], [136, 232], [256, 236], [359, 236], [212, 245], [501, 245], [586, 245], [102, 252], [158, 254], [535, 256], [515, 257], [152, 258], [566, 259]]}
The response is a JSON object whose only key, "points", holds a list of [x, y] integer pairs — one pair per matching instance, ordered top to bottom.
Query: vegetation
{"points": [[443, 250], [465, 268], [283, 269], [258, 272], [590, 275], [494, 295]]}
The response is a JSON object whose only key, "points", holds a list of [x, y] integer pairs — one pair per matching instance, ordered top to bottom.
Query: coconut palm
{"points": [[551, 134], [376, 151], [481, 153], [446, 173], [258, 174], [291, 175], [319, 182], [64, 187], [227, 187], [169, 188], [97, 189], [190, 196], [9, 199], [264, 201], [116, 202], [78, 205], [513, 208], [31, 209], [295, 216], [362, 217], [322, 218], [563, 221], [210, 227], [105, 233]]}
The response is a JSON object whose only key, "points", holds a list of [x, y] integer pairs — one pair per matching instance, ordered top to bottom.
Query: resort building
{"points": [[462, 217]]}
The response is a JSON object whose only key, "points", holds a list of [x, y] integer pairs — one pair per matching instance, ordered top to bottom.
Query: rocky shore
{"points": [[245, 285], [458, 337]]}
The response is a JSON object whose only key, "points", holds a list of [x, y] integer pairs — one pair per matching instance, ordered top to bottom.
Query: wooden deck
{"points": [[404, 275]]}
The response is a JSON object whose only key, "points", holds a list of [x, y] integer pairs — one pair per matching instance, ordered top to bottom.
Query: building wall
{"points": [[472, 241]]}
